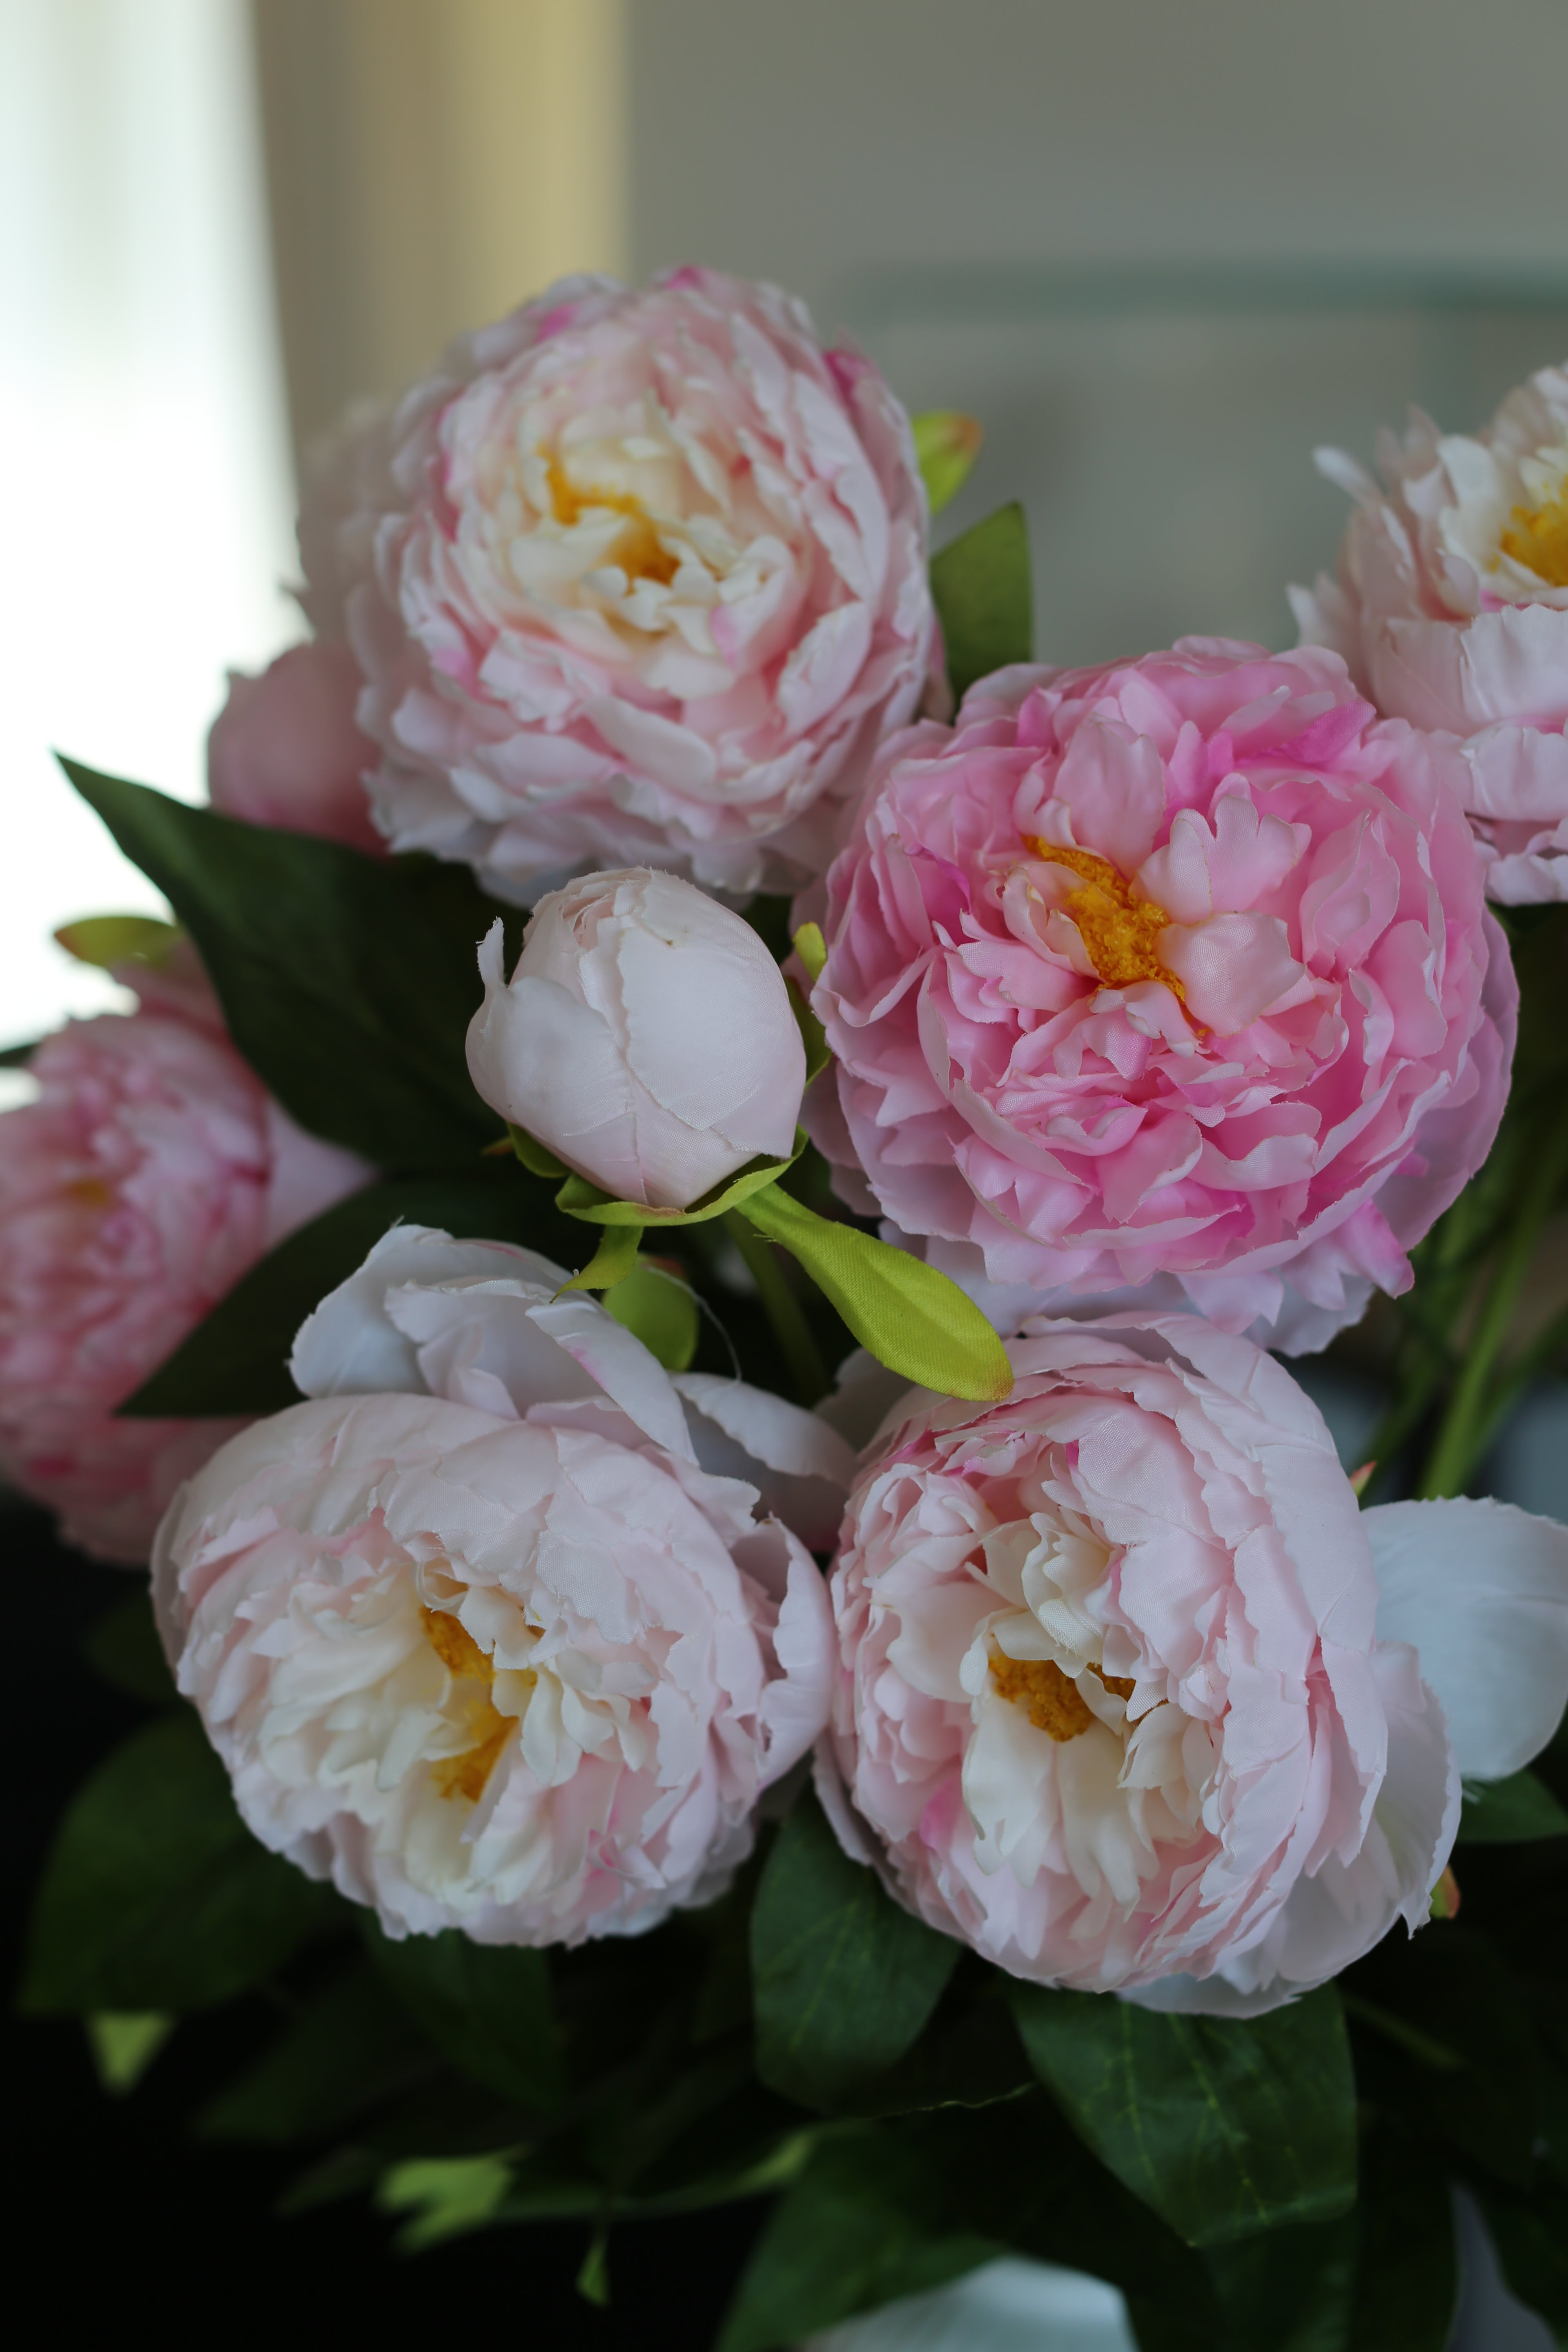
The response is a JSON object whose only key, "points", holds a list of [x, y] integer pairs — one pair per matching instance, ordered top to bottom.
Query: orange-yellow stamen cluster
{"points": [[1537, 539], [638, 548], [1119, 932], [1050, 1699], [465, 1775]]}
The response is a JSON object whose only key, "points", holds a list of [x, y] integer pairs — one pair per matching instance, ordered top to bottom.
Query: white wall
{"points": [[1160, 247]]}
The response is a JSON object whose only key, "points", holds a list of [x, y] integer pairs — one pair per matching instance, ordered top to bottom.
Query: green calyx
{"points": [[909, 1317]]}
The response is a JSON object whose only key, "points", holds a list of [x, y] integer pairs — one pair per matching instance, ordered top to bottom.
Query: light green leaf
{"points": [[947, 443], [986, 598], [109, 939], [812, 949], [347, 981], [813, 1035], [535, 1158], [578, 1198], [613, 1262], [659, 1309], [913, 1318], [236, 1358], [1510, 1811], [156, 1896], [843, 1979], [124, 2043], [1223, 2126], [446, 2196]]}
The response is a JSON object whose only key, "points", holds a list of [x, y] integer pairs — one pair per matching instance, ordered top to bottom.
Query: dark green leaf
{"points": [[985, 597], [348, 981], [15, 1058], [913, 1318], [237, 1359], [124, 1648], [1508, 1812], [156, 1896], [843, 1978], [1451, 1987], [486, 2006], [348, 2048], [1222, 2126], [861, 2225], [1407, 2277], [1288, 2290]]}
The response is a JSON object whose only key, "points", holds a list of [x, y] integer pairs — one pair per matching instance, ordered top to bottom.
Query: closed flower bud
{"points": [[646, 1037]]}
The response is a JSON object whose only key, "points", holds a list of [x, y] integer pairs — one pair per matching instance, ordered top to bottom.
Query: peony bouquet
{"points": [[684, 1295]]}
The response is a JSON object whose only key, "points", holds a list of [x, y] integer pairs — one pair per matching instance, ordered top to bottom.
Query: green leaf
{"points": [[947, 443], [985, 598], [108, 940], [812, 949], [348, 981], [813, 1035], [534, 1157], [578, 1198], [615, 1260], [659, 1307], [913, 1318], [237, 1359], [124, 1648], [1508, 1812], [156, 1896], [843, 1979], [487, 2007], [124, 2043], [350, 2046], [1222, 2126], [446, 2196], [862, 2225], [1288, 2290]]}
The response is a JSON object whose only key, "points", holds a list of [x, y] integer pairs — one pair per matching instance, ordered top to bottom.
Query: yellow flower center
{"points": [[1539, 539], [636, 547], [1119, 932], [1050, 1699], [465, 1775]]}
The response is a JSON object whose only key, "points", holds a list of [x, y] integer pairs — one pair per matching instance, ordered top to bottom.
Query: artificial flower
{"points": [[1451, 607], [285, 751], [1171, 977], [475, 1631]]}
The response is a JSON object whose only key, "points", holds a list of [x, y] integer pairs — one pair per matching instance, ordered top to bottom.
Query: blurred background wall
{"points": [[1160, 247]]}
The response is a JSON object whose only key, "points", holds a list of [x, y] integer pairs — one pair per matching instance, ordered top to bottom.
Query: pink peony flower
{"points": [[637, 578], [1451, 608], [285, 751], [1175, 971], [151, 1171], [475, 1633], [1132, 1697]]}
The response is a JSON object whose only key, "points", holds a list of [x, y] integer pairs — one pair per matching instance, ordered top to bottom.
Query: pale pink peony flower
{"points": [[637, 577], [1451, 608], [285, 750], [1175, 971], [646, 1037], [152, 1169], [490, 1631], [1132, 1696]]}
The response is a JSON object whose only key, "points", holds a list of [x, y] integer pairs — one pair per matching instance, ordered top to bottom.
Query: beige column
{"points": [[431, 163]]}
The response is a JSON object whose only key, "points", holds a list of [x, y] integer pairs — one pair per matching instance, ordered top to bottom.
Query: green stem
{"points": [[783, 1310], [1470, 1418]]}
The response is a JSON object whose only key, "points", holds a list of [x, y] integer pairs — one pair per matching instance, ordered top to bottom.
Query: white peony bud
{"points": [[646, 1037]]}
